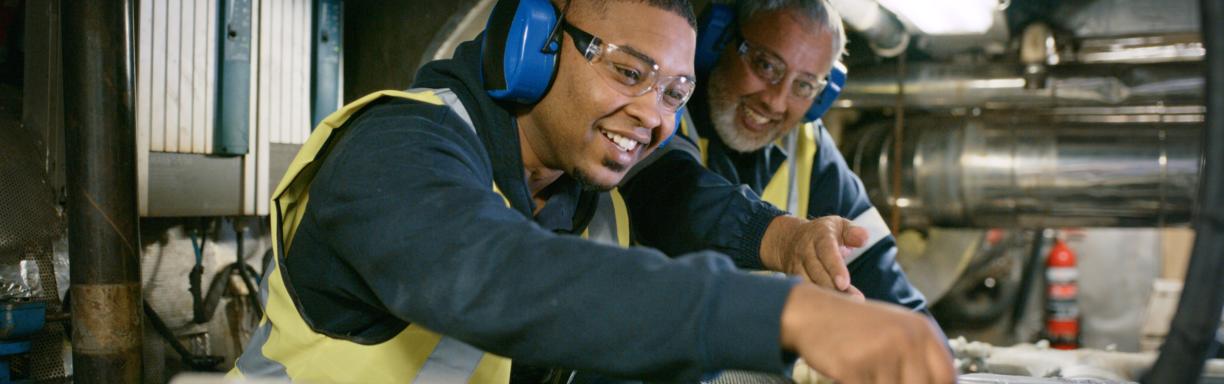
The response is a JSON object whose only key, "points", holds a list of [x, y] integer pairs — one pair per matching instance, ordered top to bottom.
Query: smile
{"points": [[755, 117], [625, 144]]}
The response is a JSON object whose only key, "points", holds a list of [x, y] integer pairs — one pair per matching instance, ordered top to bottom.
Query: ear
{"points": [[517, 55]]}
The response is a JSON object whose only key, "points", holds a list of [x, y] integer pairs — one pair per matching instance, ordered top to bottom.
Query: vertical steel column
{"points": [[104, 249], [1191, 338]]}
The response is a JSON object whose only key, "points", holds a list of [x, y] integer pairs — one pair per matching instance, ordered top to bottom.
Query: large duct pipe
{"points": [[884, 32], [929, 85], [101, 162], [999, 172]]}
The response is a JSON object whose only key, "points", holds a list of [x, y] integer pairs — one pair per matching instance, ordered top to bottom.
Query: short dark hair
{"points": [[683, 8]]}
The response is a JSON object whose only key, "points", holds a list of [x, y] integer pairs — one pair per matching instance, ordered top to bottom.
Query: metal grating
{"points": [[27, 214], [48, 352], [746, 377]]}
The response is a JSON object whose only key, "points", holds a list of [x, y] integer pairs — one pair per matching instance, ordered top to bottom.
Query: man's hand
{"points": [[815, 249], [863, 342]]}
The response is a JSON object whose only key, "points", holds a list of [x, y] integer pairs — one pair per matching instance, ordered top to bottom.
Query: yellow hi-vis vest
{"points": [[788, 189], [285, 347]]}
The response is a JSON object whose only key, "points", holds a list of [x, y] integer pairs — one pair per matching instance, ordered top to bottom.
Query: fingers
{"points": [[853, 236], [829, 262], [816, 273], [856, 294], [939, 363], [915, 371]]}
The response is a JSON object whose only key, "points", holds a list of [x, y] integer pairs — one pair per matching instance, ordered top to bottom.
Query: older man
{"points": [[754, 122]]}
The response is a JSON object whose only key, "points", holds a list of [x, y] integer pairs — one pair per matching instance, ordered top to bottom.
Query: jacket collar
{"points": [[498, 132]]}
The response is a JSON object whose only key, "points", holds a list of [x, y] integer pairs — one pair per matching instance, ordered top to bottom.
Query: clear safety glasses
{"points": [[630, 72]]}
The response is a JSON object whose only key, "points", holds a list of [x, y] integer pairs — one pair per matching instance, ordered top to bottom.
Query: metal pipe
{"points": [[885, 33], [932, 85], [1012, 172], [103, 224], [1193, 330]]}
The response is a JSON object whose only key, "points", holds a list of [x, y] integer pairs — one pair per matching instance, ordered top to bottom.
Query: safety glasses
{"points": [[630, 72]]}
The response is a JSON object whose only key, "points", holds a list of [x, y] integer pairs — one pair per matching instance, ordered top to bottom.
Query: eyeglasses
{"points": [[772, 69], [630, 72]]}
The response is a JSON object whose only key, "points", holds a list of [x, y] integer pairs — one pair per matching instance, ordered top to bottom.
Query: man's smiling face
{"points": [[748, 111], [588, 127]]}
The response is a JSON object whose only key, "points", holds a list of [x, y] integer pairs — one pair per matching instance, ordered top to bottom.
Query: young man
{"points": [[422, 236]]}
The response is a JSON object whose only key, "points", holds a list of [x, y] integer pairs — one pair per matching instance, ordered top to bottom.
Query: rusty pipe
{"points": [[104, 248]]}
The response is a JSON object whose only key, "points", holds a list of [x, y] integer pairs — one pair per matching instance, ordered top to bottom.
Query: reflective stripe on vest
{"points": [[790, 187], [609, 228], [285, 347]]}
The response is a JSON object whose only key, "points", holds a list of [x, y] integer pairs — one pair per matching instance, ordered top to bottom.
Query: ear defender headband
{"points": [[717, 27], [519, 52]]}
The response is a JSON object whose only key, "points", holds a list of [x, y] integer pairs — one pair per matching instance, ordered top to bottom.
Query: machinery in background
{"points": [[1073, 114], [18, 320], [1026, 363]]}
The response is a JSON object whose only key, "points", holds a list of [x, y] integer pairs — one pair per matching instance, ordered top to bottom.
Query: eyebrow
{"points": [[638, 54], [778, 57], [649, 60]]}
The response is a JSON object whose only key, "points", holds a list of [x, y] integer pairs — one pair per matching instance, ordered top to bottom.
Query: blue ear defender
{"points": [[717, 27], [715, 30], [519, 54], [833, 87], [679, 119]]}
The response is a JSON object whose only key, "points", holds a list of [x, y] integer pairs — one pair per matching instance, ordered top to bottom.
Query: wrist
{"points": [[776, 240], [805, 306]]}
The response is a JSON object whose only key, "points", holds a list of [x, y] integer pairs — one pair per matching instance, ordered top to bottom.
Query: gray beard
{"points": [[722, 114]]}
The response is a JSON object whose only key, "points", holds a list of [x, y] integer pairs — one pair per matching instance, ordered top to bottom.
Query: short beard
{"points": [[723, 108], [589, 184]]}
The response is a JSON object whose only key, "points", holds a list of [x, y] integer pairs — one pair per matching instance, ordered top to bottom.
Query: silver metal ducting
{"points": [[884, 32], [1002, 86], [1051, 171]]}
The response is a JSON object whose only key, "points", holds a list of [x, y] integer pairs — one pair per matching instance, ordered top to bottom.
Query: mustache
{"points": [[614, 166]]}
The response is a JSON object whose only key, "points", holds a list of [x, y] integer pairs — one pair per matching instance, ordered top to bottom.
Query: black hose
{"points": [[1032, 268], [247, 276], [216, 289], [200, 313], [160, 326], [1192, 334], [196, 362]]}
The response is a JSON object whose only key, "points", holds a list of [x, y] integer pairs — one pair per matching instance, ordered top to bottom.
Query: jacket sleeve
{"points": [[836, 190], [409, 206], [678, 206]]}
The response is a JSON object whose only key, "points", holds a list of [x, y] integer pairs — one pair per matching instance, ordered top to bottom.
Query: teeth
{"points": [[755, 117], [624, 143]]}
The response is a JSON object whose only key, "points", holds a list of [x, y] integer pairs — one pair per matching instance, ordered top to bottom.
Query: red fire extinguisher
{"points": [[1062, 291]]}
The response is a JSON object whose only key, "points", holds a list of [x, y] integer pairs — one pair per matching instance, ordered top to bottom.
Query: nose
{"points": [[776, 96], [645, 109]]}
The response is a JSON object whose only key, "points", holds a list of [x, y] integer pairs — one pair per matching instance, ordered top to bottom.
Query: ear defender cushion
{"points": [[715, 28], [514, 65], [824, 101], [679, 118]]}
